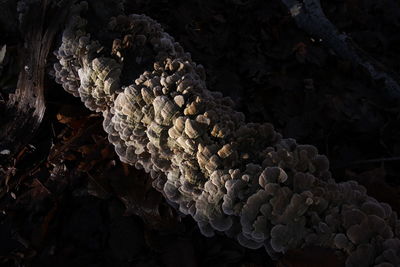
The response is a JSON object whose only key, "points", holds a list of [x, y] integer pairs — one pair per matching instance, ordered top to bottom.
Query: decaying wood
{"points": [[26, 107]]}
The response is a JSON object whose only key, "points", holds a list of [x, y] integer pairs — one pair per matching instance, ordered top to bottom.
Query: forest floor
{"points": [[68, 201]]}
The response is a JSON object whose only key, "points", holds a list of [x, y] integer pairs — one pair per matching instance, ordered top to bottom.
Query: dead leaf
{"points": [[99, 186], [140, 198]]}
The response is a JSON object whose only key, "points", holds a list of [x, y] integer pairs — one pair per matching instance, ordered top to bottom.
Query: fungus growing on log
{"points": [[230, 175]]}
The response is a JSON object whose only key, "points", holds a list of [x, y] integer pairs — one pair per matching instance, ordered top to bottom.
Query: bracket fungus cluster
{"points": [[231, 176]]}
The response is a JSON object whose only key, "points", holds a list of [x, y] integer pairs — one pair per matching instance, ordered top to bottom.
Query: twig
{"points": [[310, 17]]}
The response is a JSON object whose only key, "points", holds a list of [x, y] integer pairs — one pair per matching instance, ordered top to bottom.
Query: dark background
{"points": [[72, 203]]}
